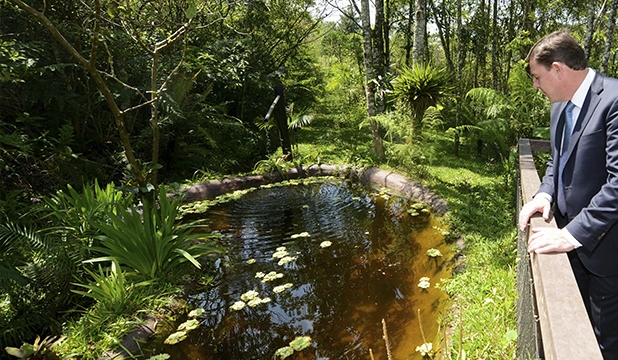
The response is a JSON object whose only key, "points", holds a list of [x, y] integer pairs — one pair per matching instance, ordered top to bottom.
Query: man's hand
{"points": [[537, 204], [549, 240]]}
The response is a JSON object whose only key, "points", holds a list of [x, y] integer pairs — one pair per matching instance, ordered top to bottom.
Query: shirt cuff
{"points": [[545, 195], [571, 239]]}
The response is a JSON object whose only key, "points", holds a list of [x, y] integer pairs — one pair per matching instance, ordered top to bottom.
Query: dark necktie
{"points": [[566, 138]]}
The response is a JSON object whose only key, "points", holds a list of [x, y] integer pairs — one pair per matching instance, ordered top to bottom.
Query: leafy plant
{"points": [[419, 87], [73, 213], [150, 242], [110, 289], [38, 350]]}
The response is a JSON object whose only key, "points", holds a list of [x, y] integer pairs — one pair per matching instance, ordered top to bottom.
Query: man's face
{"points": [[546, 79]]}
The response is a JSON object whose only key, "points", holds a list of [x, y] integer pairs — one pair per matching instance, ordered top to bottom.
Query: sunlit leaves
{"points": [[175, 338], [297, 344]]}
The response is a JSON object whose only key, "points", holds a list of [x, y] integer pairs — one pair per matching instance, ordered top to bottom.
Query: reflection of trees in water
{"points": [[340, 293]]}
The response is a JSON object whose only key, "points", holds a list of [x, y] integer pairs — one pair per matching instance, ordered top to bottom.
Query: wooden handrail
{"points": [[565, 327]]}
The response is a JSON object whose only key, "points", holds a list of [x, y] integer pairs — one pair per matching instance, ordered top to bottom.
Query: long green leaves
{"points": [[421, 86], [149, 242], [110, 289]]}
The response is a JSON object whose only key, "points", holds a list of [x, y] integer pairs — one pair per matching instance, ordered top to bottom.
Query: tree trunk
{"points": [[590, 26], [409, 31], [420, 32], [444, 33], [609, 36], [494, 50], [378, 52], [509, 52], [369, 79], [459, 85]]}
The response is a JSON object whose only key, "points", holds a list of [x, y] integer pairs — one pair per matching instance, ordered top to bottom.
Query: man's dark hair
{"points": [[558, 46]]}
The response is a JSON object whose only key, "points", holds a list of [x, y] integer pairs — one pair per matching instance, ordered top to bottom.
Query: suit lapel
{"points": [[590, 105]]}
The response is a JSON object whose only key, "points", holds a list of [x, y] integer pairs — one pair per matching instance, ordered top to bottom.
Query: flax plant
{"points": [[150, 241]]}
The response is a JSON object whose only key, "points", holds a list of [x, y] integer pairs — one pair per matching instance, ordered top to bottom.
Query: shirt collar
{"points": [[580, 95]]}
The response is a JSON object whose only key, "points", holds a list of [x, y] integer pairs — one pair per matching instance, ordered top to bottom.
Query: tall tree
{"points": [[590, 26], [420, 31], [444, 31], [609, 36], [494, 47], [370, 86], [458, 91]]}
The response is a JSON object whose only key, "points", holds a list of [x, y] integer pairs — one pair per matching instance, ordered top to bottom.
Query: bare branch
{"points": [[113, 77], [138, 106]]}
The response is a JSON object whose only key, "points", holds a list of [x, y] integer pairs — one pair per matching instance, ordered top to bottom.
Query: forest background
{"points": [[142, 93]]}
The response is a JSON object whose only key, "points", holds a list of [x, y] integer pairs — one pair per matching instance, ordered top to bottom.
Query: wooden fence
{"points": [[548, 293]]}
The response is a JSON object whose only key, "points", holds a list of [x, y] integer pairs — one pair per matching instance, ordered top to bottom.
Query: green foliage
{"points": [[421, 86], [73, 213], [150, 242], [35, 274], [111, 290], [39, 349]]}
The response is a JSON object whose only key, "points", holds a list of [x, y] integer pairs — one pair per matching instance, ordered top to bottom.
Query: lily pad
{"points": [[434, 253], [285, 260], [424, 283], [249, 295], [255, 302], [238, 305], [197, 312], [189, 325], [175, 338], [300, 343], [284, 352], [160, 357]]}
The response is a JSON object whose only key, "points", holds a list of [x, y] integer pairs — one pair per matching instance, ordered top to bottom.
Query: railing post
{"points": [[565, 329]]}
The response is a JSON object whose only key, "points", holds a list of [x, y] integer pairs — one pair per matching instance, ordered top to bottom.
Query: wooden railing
{"points": [[565, 332]]}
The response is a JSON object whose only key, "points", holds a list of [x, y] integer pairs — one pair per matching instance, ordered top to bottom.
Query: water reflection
{"points": [[340, 293]]}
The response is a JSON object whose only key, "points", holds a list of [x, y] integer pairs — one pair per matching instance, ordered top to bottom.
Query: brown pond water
{"points": [[339, 294]]}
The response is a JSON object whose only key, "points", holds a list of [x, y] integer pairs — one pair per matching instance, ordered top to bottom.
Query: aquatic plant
{"points": [[302, 234], [281, 252], [434, 253], [286, 259], [271, 276], [424, 283], [280, 288], [249, 295], [238, 305], [196, 312], [189, 325], [175, 338], [297, 344], [425, 349]]}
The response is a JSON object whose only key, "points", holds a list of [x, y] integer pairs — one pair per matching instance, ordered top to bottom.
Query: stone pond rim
{"points": [[391, 180], [214, 188]]}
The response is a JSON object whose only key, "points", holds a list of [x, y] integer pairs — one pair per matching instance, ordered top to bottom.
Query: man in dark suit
{"points": [[581, 178]]}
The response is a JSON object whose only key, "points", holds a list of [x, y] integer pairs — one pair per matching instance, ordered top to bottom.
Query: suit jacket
{"points": [[590, 176]]}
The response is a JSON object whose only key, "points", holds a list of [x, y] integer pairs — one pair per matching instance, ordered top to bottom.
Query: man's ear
{"points": [[558, 67]]}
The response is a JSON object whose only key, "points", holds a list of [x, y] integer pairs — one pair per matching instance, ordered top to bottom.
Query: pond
{"points": [[324, 263]]}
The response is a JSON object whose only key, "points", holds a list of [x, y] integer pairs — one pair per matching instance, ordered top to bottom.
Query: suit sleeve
{"points": [[596, 219]]}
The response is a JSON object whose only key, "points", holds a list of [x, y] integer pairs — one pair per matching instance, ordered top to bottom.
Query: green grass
{"points": [[484, 290]]}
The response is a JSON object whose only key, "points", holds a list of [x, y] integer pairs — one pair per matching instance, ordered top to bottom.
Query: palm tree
{"points": [[419, 87]]}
